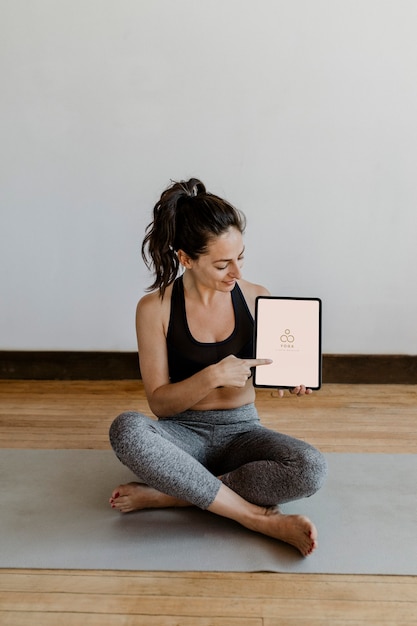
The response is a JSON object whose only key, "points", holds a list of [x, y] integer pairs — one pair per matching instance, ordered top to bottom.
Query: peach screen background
{"points": [[288, 332]]}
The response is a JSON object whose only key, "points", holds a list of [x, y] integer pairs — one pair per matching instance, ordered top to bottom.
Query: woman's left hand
{"points": [[301, 390]]}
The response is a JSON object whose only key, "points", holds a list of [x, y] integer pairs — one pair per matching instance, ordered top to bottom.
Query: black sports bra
{"points": [[186, 356]]}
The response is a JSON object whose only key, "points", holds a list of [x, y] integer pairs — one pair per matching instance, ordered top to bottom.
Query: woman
{"points": [[195, 332]]}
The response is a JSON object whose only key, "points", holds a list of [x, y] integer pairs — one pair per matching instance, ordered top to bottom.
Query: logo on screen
{"points": [[287, 339]]}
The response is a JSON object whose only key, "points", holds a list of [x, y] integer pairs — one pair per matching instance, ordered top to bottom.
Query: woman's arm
{"points": [[165, 398]]}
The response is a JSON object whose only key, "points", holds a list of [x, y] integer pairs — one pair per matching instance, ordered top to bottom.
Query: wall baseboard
{"points": [[51, 365], [372, 369]]}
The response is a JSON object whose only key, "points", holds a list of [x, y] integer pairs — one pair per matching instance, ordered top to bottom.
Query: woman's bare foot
{"points": [[135, 496], [296, 530]]}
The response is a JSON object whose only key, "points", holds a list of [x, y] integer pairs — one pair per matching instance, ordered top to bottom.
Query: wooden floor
{"points": [[339, 418]]}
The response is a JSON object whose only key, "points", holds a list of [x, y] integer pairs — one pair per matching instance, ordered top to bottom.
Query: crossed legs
{"points": [[172, 477]]}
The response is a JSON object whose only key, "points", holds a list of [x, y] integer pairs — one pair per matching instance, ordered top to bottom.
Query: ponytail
{"points": [[186, 217]]}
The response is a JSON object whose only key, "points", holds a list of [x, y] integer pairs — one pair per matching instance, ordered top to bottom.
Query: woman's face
{"points": [[221, 265]]}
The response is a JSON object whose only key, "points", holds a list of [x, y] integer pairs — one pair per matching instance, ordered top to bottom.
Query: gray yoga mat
{"points": [[54, 513]]}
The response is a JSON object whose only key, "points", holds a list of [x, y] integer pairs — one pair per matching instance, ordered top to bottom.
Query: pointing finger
{"points": [[255, 362]]}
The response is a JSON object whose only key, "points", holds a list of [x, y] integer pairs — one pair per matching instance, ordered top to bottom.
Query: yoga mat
{"points": [[54, 513]]}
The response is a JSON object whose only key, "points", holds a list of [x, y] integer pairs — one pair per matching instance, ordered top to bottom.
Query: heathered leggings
{"points": [[184, 456]]}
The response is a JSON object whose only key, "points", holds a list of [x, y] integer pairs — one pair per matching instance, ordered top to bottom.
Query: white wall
{"points": [[301, 113]]}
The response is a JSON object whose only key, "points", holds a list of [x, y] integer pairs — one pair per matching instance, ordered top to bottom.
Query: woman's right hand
{"points": [[234, 372]]}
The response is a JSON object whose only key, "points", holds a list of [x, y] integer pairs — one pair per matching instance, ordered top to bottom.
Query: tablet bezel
{"points": [[303, 299]]}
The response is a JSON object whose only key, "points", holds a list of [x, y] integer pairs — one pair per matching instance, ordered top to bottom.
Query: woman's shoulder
{"points": [[250, 292], [154, 298], [153, 306]]}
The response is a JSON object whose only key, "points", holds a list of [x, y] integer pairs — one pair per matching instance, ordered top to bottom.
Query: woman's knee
{"points": [[126, 425], [314, 470]]}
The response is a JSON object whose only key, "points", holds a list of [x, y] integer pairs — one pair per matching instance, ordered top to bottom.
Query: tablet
{"points": [[288, 331]]}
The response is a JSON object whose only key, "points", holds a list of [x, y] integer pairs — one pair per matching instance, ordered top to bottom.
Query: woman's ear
{"points": [[185, 260]]}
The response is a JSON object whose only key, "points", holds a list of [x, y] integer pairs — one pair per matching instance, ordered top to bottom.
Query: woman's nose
{"points": [[235, 271]]}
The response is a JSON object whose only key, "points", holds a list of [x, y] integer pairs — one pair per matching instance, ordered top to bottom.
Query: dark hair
{"points": [[186, 217]]}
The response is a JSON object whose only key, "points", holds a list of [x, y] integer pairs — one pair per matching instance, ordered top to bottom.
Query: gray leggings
{"points": [[184, 456]]}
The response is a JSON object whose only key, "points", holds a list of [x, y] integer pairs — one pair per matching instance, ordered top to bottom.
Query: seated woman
{"points": [[195, 339]]}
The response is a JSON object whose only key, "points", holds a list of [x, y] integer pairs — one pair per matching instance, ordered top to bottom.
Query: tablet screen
{"points": [[288, 331]]}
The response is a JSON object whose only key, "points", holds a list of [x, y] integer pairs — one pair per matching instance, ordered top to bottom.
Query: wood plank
{"points": [[296, 586], [231, 606], [20, 618], [324, 621]]}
